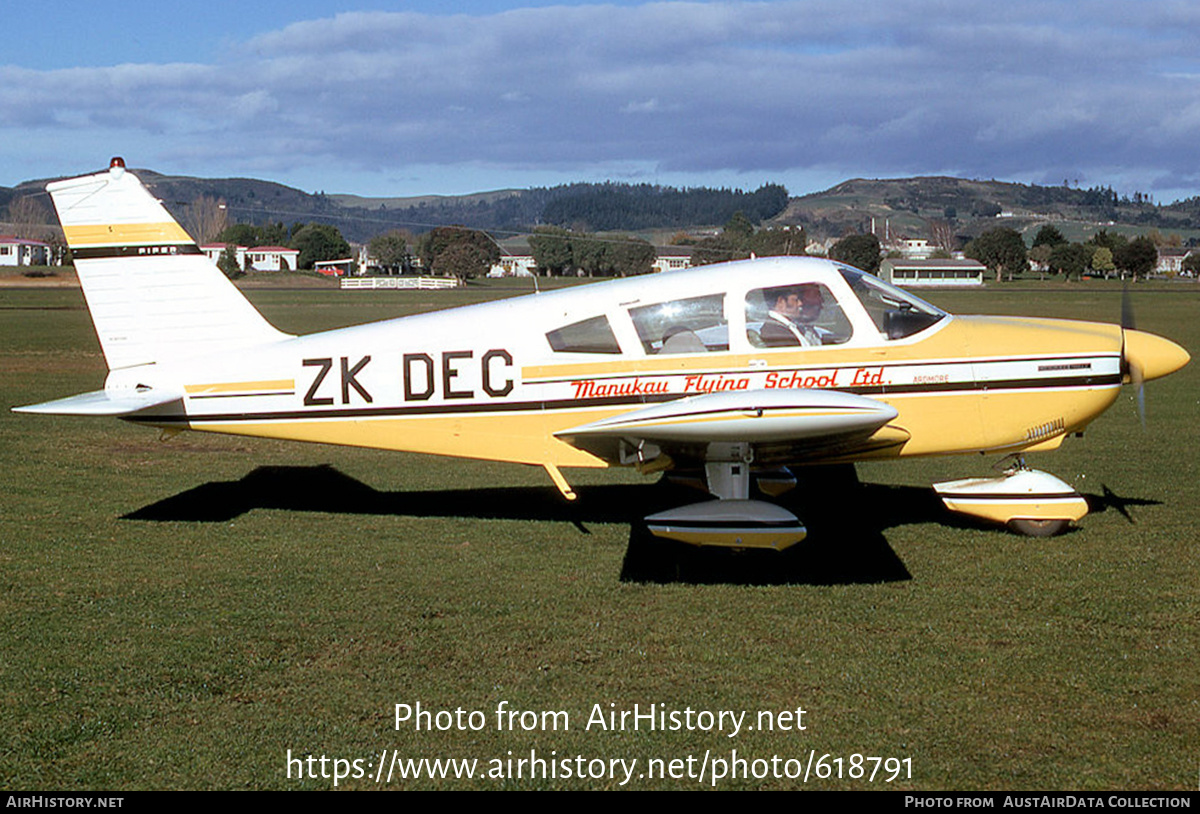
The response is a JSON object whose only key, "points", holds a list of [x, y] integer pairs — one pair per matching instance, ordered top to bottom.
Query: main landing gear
{"points": [[733, 520]]}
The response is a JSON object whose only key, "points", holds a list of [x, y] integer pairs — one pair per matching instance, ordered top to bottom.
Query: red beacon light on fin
{"points": [[116, 167]]}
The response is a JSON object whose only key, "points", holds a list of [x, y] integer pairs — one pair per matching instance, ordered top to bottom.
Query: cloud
{"points": [[1014, 90]]}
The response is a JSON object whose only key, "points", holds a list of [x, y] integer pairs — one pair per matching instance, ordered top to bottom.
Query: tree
{"points": [[29, 218], [205, 218], [739, 228], [942, 232], [240, 234], [273, 234], [249, 235], [1048, 236], [789, 240], [739, 241], [319, 242], [436, 242], [1113, 242], [551, 248], [390, 249], [716, 249], [1002, 250], [860, 251], [590, 255], [630, 256], [1040, 256], [1139, 257], [1069, 259], [462, 260], [1102, 261], [228, 263]]}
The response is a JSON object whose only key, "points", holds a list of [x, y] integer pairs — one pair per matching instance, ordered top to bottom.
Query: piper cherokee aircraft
{"points": [[736, 371]]}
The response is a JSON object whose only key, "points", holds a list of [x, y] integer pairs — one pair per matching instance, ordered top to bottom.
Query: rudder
{"points": [[153, 295]]}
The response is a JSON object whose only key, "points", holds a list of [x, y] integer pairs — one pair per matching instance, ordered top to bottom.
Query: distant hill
{"points": [[593, 207], [903, 207], [910, 207]]}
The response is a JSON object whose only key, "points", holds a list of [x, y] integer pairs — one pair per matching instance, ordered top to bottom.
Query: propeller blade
{"points": [[1128, 322], [1136, 375], [1139, 382]]}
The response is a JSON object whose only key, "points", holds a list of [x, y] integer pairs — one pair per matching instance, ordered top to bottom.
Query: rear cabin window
{"points": [[695, 325], [586, 336]]}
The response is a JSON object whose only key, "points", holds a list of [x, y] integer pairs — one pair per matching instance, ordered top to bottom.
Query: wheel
{"points": [[1038, 528]]}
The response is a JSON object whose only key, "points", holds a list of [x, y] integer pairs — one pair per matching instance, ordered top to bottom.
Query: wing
{"points": [[780, 425]]}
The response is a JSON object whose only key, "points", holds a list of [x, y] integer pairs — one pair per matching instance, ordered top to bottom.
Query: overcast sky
{"points": [[391, 98]]}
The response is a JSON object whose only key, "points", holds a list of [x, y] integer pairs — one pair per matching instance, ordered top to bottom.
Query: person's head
{"points": [[798, 302], [810, 302]]}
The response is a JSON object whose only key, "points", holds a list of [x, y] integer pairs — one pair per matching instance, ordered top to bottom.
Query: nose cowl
{"points": [[1152, 356]]}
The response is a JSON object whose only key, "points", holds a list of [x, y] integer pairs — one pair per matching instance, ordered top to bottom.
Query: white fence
{"points": [[399, 282]]}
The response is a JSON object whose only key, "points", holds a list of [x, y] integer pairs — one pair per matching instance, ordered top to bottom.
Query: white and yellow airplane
{"points": [[736, 371]]}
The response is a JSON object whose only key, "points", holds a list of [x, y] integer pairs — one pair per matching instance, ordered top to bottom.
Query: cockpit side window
{"points": [[896, 313], [795, 315], [695, 325], [592, 335]]}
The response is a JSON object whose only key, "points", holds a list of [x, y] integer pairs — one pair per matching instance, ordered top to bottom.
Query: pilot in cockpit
{"points": [[792, 311]]}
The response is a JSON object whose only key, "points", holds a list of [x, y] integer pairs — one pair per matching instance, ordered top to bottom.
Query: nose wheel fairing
{"points": [[1030, 501]]}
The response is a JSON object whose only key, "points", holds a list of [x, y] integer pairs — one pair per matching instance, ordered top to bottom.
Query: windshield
{"points": [[896, 313]]}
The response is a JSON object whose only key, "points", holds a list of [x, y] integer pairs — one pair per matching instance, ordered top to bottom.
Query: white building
{"points": [[915, 248], [16, 251], [213, 251], [257, 258], [273, 258], [672, 258], [1170, 259], [514, 265], [917, 273]]}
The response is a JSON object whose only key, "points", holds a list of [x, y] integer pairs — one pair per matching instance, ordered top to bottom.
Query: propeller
{"points": [[1130, 366]]}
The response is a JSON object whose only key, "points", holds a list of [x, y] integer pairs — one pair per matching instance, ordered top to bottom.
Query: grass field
{"points": [[182, 614]]}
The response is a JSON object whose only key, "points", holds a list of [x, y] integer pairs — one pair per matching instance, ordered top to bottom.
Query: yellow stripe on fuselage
{"points": [[239, 387]]}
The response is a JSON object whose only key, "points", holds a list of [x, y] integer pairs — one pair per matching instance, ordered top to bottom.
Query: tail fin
{"points": [[153, 295]]}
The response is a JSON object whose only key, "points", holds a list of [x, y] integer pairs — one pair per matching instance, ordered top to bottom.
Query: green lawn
{"points": [[181, 614]]}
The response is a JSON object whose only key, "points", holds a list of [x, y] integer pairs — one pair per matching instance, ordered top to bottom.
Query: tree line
{"points": [[606, 207], [631, 207], [739, 239], [1003, 251], [464, 253]]}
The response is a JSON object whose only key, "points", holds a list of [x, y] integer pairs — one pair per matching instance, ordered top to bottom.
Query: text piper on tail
{"points": [[737, 371]]}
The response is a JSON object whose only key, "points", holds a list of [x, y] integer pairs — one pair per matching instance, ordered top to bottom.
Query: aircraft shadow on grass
{"points": [[846, 519]]}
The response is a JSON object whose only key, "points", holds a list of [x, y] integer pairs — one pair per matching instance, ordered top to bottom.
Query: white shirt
{"points": [[804, 334]]}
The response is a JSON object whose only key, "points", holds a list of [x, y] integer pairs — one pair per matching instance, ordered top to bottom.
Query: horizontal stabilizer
{"points": [[103, 403]]}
